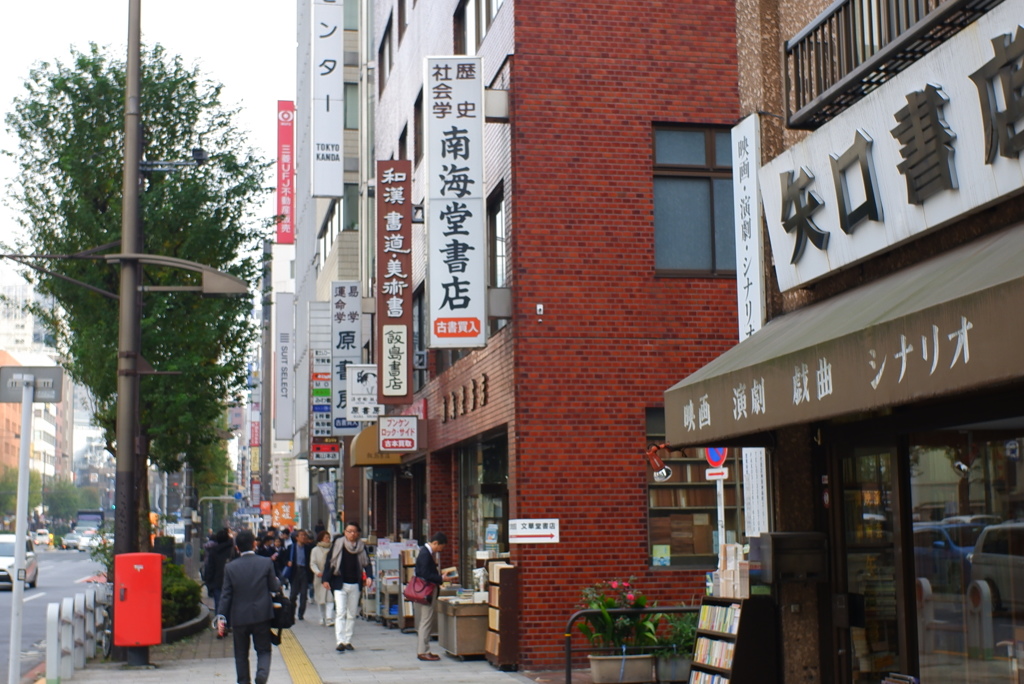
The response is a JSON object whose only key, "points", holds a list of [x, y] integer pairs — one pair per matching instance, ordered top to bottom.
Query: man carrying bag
{"points": [[245, 598]]}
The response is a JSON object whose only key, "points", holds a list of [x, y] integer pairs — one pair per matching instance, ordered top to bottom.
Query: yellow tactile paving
{"points": [[295, 659]]}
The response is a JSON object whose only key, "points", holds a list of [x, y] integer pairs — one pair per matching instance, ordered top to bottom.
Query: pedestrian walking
{"points": [[217, 557], [346, 571], [298, 579], [249, 581], [322, 596], [425, 615]]}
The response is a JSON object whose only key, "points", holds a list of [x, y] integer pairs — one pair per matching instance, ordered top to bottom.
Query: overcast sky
{"points": [[247, 46]]}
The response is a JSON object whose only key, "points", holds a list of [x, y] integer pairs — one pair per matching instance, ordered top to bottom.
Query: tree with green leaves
{"points": [[69, 124], [9, 490], [62, 500]]}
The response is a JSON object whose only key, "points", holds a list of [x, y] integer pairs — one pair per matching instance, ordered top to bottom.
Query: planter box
{"points": [[632, 669], [674, 669]]}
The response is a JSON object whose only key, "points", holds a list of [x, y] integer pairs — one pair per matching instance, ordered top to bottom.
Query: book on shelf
{"points": [[722, 619]]}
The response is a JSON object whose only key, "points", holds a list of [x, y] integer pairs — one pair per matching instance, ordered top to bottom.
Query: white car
{"points": [[42, 537], [998, 559], [7, 562]]}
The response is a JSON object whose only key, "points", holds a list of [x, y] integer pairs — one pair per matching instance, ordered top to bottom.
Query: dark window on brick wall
{"points": [[417, 129], [693, 215]]}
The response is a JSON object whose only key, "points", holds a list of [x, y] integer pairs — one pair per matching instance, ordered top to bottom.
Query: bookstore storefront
{"points": [[909, 392]]}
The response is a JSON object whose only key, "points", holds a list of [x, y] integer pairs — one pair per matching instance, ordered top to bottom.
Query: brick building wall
{"points": [[587, 82]]}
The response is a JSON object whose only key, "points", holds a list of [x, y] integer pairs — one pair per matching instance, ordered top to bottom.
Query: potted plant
{"points": [[629, 640], [675, 642]]}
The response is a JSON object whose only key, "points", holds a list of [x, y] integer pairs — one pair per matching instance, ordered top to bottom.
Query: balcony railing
{"points": [[857, 45]]}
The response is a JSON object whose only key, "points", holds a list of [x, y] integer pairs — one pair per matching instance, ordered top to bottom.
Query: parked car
{"points": [[42, 537], [93, 538], [71, 540], [942, 554], [998, 559], [7, 562]]}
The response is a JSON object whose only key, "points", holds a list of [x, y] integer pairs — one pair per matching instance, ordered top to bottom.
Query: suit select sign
{"points": [[397, 433]]}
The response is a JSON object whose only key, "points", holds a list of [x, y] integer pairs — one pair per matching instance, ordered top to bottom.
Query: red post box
{"points": [[138, 586]]}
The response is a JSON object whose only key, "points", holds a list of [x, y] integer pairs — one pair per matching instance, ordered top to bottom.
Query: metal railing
{"points": [[857, 45], [579, 614], [73, 628]]}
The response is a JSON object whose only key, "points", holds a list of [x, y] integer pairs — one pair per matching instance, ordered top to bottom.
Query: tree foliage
{"points": [[69, 124], [9, 490], [62, 500]]}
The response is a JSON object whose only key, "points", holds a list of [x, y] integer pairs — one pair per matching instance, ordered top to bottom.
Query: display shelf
{"points": [[502, 642], [736, 642]]}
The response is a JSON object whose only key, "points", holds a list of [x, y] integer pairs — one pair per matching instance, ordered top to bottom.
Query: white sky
{"points": [[247, 46]]}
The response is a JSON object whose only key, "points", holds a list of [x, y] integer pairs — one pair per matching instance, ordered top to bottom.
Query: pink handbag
{"points": [[419, 590]]}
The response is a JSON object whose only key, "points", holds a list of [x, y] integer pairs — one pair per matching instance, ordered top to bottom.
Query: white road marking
{"points": [[33, 597]]}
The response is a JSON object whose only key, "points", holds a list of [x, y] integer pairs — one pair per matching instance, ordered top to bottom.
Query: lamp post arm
{"points": [[20, 260]]}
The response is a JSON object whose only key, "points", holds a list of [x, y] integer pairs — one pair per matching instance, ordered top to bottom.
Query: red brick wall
{"points": [[587, 81]]}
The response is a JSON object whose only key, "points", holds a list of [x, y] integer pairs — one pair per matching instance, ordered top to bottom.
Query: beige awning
{"points": [[947, 325], [365, 451]]}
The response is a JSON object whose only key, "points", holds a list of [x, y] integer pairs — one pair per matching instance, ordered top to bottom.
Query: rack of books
{"points": [[736, 642], [502, 645]]}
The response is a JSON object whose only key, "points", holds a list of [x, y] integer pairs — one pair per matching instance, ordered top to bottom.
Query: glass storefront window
{"points": [[483, 474], [967, 503]]}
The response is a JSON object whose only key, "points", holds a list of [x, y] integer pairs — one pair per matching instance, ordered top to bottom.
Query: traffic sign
{"points": [[716, 456]]}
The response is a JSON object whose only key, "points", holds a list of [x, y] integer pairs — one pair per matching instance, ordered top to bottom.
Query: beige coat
{"points": [[317, 562]]}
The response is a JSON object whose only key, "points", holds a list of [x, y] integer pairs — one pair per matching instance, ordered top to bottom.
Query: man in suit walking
{"points": [[298, 561], [245, 599]]}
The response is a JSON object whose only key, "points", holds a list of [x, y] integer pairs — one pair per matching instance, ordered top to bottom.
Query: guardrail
{"points": [[612, 611], [73, 628]]}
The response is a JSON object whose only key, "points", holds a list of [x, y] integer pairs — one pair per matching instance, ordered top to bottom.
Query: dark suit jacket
{"points": [[249, 580]]}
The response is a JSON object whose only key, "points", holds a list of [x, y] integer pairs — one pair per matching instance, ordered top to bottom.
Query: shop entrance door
{"points": [[869, 624]]}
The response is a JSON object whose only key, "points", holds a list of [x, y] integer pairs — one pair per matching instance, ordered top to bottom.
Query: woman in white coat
{"points": [[324, 598]]}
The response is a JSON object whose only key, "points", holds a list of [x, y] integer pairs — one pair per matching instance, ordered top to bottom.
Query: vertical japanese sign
{"points": [[328, 107], [746, 159], [286, 172], [456, 225], [394, 280], [346, 349], [320, 369], [284, 383], [363, 406]]}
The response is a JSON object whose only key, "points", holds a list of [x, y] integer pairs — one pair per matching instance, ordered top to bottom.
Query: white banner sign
{"points": [[328, 106], [922, 150], [456, 220], [346, 349], [320, 369], [284, 383], [362, 393], [397, 433], [541, 531]]}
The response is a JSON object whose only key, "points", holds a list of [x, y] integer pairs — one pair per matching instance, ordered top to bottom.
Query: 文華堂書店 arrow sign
{"points": [[533, 531]]}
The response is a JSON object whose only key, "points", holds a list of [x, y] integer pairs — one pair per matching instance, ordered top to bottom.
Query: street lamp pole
{"points": [[129, 330]]}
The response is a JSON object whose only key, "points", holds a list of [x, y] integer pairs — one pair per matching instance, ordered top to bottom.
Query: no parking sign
{"points": [[716, 456]]}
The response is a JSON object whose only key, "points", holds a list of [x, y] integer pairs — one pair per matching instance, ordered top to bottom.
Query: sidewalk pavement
{"points": [[307, 655]]}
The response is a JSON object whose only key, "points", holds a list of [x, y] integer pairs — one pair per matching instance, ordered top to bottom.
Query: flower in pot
{"points": [[629, 638], [675, 646]]}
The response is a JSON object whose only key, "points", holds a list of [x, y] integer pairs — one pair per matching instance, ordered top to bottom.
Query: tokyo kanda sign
{"points": [[328, 106], [940, 140], [455, 212]]}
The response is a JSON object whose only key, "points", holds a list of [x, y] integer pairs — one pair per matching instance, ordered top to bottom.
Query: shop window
{"points": [[384, 57], [351, 106], [417, 129], [693, 213], [497, 239], [419, 344], [483, 478], [683, 510]]}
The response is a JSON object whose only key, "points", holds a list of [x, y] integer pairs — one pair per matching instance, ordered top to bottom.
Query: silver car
{"points": [[7, 562]]}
